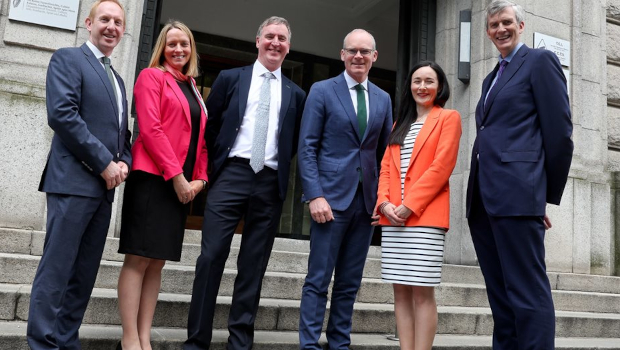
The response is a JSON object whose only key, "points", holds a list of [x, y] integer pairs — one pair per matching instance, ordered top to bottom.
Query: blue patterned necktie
{"points": [[261, 124]]}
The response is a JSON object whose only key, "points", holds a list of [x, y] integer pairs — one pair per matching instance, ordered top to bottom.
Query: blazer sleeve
{"points": [[148, 96], [63, 100], [553, 109], [310, 137], [425, 189], [383, 192]]}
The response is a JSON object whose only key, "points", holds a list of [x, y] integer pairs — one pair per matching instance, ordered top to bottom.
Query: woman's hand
{"points": [[197, 186], [182, 188], [389, 212], [403, 212]]}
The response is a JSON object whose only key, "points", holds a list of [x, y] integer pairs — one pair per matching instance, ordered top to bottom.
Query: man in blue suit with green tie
{"points": [[344, 132], [89, 157], [520, 161]]}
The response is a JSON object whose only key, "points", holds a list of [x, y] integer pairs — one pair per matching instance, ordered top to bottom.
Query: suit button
{"points": [[482, 127], [236, 129], [358, 169]]}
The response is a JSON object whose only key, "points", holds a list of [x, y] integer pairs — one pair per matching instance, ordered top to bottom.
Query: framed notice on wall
{"points": [[53, 13]]}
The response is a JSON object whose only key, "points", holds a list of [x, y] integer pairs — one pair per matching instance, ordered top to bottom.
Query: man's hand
{"points": [[124, 170], [112, 175], [182, 188], [320, 210], [389, 210], [375, 218], [547, 222]]}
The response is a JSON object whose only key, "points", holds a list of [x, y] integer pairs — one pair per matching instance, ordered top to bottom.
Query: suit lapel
{"points": [[94, 62], [509, 72], [245, 79], [342, 92], [179, 94], [286, 99], [373, 104], [427, 129]]}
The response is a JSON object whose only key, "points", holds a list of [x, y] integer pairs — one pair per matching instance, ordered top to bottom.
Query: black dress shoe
{"points": [[119, 346]]}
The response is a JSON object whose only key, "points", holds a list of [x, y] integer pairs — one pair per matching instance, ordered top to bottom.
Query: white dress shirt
{"points": [[351, 83], [119, 98], [243, 144]]}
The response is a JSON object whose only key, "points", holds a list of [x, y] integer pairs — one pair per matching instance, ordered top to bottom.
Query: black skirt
{"points": [[153, 221]]}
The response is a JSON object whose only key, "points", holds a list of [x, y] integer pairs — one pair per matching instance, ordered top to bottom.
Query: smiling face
{"points": [[106, 27], [504, 31], [273, 45], [178, 48], [358, 65], [424, 86]]}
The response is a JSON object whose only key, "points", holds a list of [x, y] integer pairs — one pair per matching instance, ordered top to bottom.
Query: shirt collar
{"points": [[98, 54], [512, 54], [259, 70], [351, 83]]}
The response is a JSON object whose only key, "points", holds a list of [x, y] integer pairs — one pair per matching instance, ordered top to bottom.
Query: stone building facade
{"points": [[585, 237]]}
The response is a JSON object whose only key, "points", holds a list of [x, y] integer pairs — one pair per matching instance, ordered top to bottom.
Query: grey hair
{"points": [[498, 6], [274, 20], [344, 42]]}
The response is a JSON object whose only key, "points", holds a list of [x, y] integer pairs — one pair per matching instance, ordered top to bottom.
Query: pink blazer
{"points": [[165, 127], [427, 192]]}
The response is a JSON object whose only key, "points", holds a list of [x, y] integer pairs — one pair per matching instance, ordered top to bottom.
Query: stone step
{"points": [[291, 256], [20, 269], [283, 315], [95, 337]]}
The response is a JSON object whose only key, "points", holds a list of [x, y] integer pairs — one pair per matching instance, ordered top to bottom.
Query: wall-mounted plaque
{"points": [[53, 13], [560, 47]]}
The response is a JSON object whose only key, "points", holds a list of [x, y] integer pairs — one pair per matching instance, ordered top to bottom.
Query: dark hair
{"points": [[407, 112]]}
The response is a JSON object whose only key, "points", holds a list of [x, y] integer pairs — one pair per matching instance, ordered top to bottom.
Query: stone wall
{"points": [[25, 50], [613, 116], [582, 237]]}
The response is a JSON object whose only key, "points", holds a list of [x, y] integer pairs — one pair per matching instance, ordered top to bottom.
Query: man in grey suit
{"points": [[344, 132], [89, 157]]}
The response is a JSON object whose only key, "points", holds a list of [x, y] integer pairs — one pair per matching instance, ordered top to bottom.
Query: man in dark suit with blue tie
{"points": [[254, 117], [344, 132], [90, 156], [520, 161]]}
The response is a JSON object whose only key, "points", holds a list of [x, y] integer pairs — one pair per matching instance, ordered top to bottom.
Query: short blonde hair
{"points": [[93, 9], [157, 58]]}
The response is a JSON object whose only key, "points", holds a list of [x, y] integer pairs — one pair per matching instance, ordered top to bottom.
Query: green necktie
{"points": [[108, 70], [362, 115]]}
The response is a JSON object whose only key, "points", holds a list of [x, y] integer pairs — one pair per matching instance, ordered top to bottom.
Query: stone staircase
{"points": [[587, 307]]}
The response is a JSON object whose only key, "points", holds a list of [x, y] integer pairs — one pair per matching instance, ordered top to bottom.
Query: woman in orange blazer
{"points": [[169, 169], [414, 201]]}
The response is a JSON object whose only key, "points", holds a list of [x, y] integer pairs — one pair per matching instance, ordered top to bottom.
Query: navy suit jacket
{"points": [[226, 107], [83, 112], [523, 148], [332, 152]]}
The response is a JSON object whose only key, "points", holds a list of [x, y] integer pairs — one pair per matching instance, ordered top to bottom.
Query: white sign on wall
{"points": [[53, 13], [560, 47]]}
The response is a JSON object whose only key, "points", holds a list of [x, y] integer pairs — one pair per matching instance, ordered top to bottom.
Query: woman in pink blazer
{"points": [[169, 169], [414, 201]]}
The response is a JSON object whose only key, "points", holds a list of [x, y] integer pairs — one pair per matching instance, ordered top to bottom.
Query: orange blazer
{"points": [[165, 127], [427, 190]]}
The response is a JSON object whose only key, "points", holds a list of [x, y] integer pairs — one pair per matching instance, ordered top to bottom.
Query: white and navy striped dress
{"points": [[411, 255]]}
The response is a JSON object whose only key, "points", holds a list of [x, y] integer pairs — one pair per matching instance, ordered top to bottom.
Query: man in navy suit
{"points": [[344, 132], [90, 156], [520, 161], [248, 181]]}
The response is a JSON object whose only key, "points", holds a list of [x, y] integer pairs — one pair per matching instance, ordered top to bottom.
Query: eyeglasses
{"points": [[363, 52]]}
